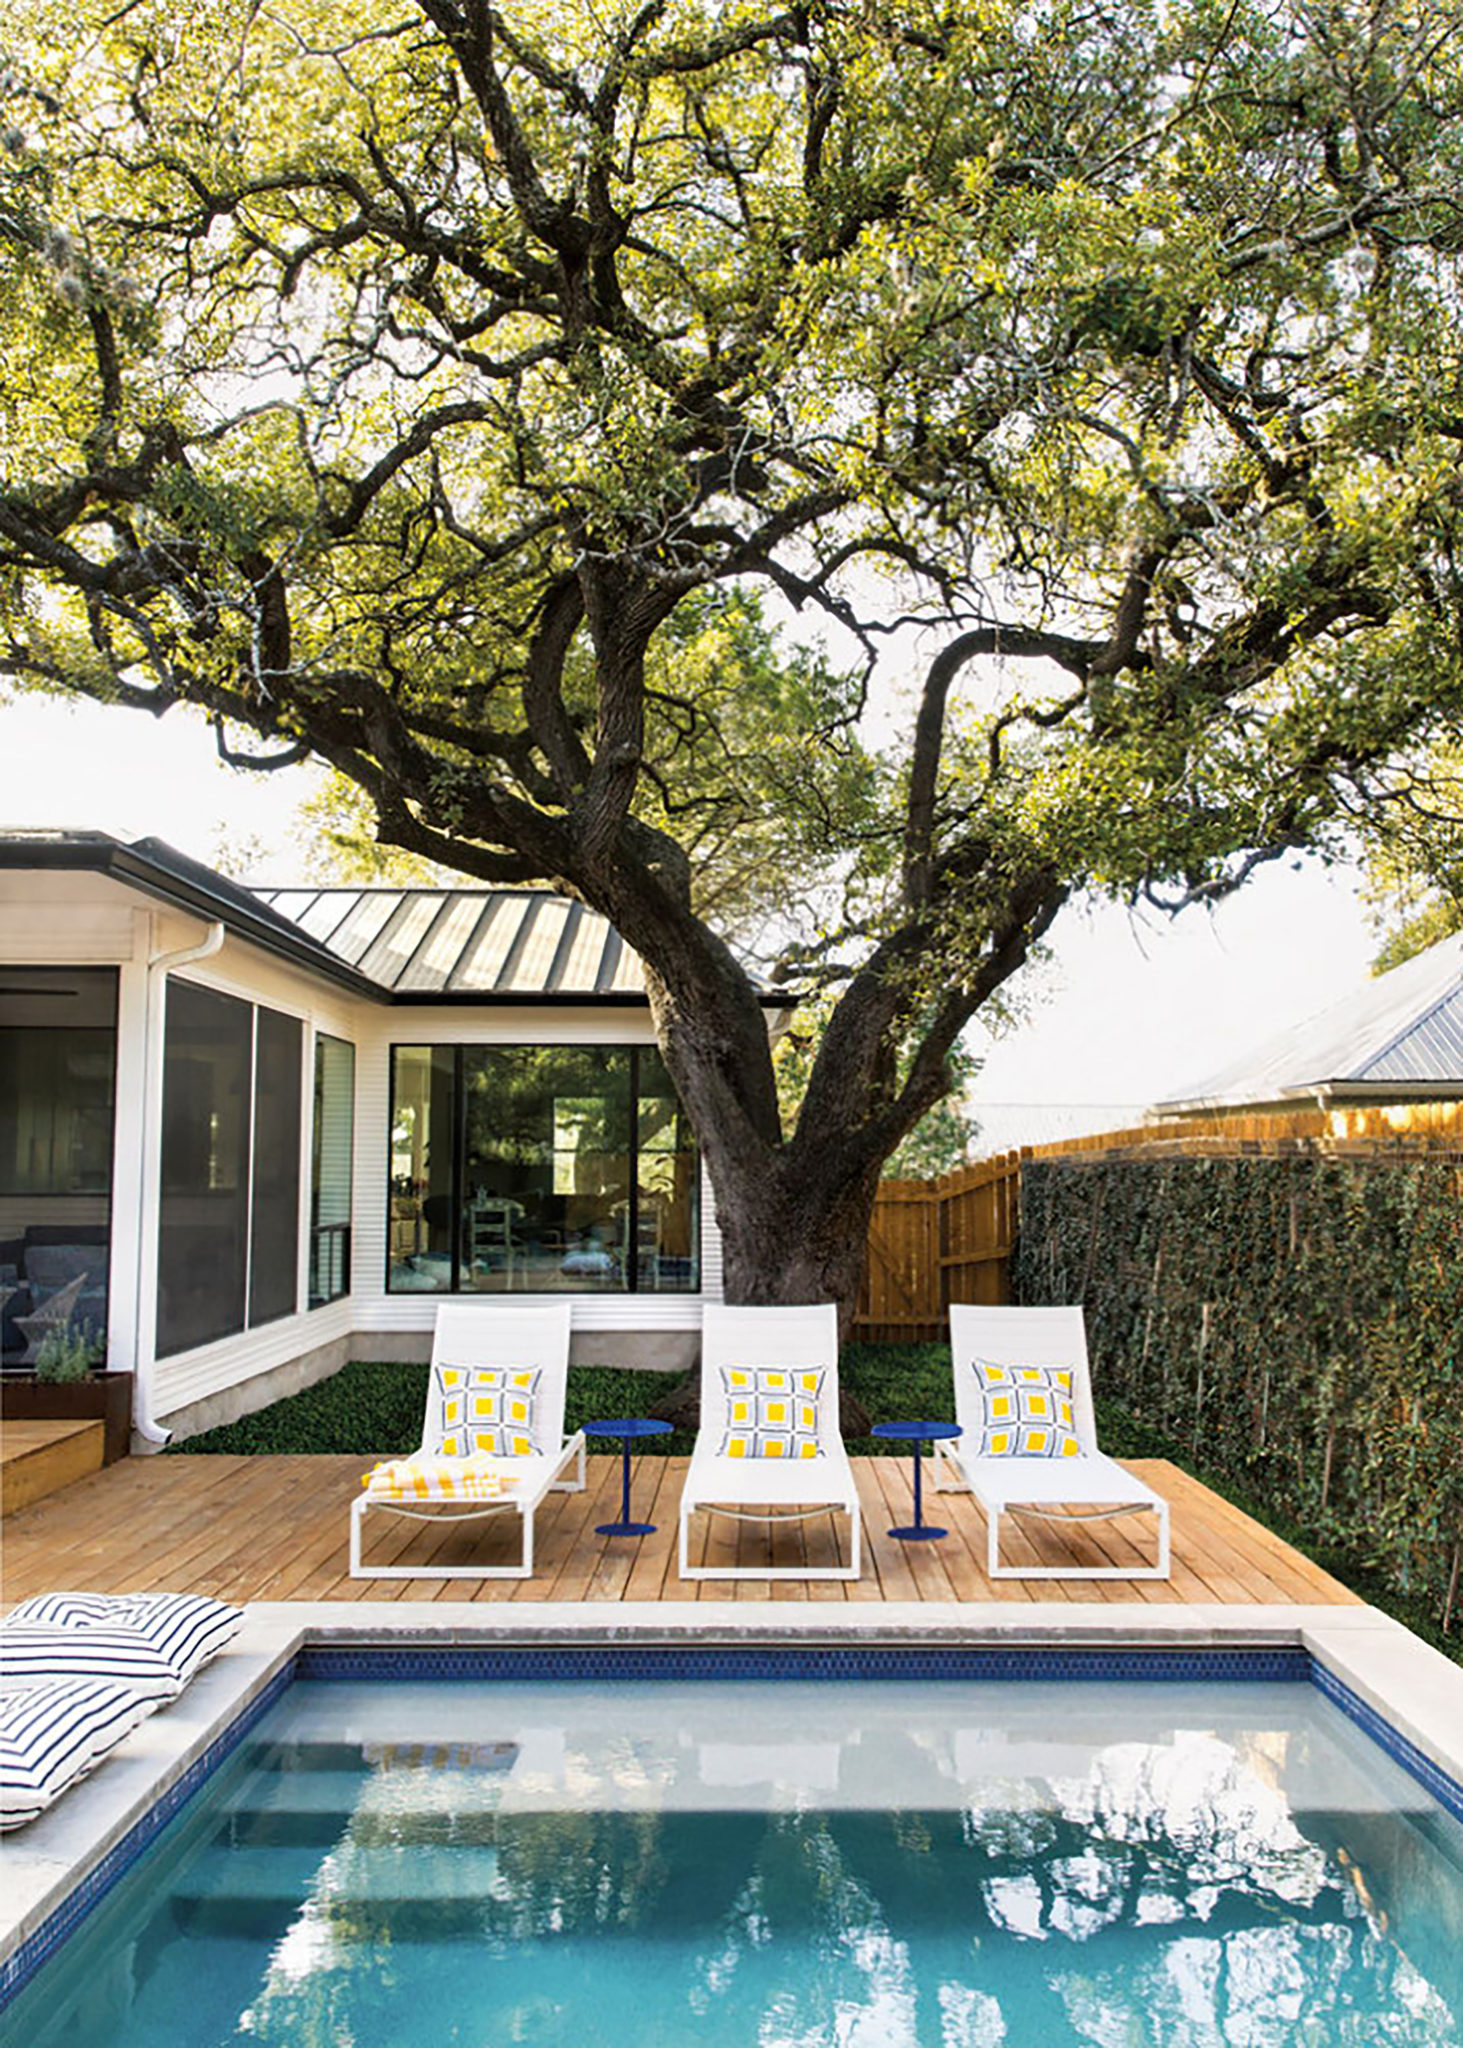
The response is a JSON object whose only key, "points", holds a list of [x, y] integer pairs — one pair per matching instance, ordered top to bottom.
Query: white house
{"points": [[1396, 1039], [257, 1132]]}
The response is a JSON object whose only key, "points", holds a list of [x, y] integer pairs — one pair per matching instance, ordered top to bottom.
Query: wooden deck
{"points": [[276, 1529]]}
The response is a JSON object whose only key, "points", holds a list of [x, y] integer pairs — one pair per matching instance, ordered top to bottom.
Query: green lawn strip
{"points": [[374, 1409]]}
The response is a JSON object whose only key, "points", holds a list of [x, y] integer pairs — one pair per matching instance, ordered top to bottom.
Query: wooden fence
{"points": [[934, 1242]]}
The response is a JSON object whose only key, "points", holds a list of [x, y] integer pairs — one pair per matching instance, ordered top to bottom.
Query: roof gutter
{"points": [[123, 863], [256, 925], [159, 965]]}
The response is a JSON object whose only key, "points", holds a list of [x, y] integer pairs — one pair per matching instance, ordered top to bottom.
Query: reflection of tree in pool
{"points": [[575, 1873], [1165, 1899], [1277, 1986]]}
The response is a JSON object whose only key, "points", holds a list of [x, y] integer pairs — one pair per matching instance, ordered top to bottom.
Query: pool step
{"points": [[321, 1804], [323, 1825], [409, 1894]]}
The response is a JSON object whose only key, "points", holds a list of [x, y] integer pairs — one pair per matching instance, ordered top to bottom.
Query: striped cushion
{"points": [[185, 1628], [30, 1654], [52, 1734]]}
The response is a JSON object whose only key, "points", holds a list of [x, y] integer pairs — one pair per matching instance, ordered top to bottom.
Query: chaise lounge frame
{"points": [[489, 1334], [761, 1489], [1061, 1491]]}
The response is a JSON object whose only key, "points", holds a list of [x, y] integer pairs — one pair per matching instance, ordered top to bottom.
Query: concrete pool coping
{"points": [[1415, 1689]]}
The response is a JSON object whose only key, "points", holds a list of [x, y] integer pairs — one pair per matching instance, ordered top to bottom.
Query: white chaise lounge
{"points": [[446, 1480], [792, 1486], [1082, 1487]]}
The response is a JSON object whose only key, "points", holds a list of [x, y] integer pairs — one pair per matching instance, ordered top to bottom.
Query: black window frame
{"points": [[459, 1049], [56, 1227]]}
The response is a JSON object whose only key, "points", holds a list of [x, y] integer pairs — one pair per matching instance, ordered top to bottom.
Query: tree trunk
{"points": [[793, 1212], [794, 1236]]}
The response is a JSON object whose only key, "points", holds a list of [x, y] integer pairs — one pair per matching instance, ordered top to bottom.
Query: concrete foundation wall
{"points": [[637, 1350], [667, 1351], [260, 1390]]}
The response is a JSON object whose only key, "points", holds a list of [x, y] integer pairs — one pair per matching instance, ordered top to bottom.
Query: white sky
{"points": [[1129, 1010]]}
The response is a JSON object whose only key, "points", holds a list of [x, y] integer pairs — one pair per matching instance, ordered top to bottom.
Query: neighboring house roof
{"points": [[433, 946], [1400, 1035]]}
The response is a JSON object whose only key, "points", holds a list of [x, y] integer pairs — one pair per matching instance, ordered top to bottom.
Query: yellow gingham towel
{"points": [[439, 1479]]}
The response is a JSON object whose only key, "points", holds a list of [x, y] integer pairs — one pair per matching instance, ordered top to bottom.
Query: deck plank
{"points": [[276, 1528]]}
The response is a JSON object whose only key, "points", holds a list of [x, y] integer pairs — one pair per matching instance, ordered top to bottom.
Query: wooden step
{"points": [[37, 1458]]}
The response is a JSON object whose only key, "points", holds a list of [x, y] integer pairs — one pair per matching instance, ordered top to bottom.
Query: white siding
{"points": [[79, 919], [379, 1030], [193, 1375]]}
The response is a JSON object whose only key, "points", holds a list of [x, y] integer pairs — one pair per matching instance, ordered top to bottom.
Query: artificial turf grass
{"points": [[373, 1409]]}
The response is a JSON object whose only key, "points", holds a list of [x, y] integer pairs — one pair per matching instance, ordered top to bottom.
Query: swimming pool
{"points": [[876, 1863]]}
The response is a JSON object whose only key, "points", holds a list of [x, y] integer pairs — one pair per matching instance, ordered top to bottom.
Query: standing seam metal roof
{"points": [[490, 942]]}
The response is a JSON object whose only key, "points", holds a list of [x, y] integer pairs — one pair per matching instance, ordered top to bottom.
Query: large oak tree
{"points": [[414, 386]]}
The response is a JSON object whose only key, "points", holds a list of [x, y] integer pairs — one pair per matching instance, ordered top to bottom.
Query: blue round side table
{"points": [[629, 1427], [919, 1530]]}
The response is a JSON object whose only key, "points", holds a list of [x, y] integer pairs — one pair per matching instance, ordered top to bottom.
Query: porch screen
{"points": [[58, 1033], [540, 1169], [228, 1222], [274, 1249]]}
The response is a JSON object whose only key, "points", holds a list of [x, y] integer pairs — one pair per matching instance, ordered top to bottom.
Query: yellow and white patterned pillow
{"points": [[487, 1411], [1028, 1411], [772, 1412]]}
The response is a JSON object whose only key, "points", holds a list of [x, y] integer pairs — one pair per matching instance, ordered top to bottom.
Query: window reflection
{"points": [[57, 1060], [422, 1111], [544, 1168], [668, 1233]]}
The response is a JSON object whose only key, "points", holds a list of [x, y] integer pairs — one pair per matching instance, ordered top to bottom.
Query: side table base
{"points": [[625, 1528], [926, 1532]]}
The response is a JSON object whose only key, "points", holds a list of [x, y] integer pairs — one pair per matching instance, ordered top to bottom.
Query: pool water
{"points": [[791, 1865]]}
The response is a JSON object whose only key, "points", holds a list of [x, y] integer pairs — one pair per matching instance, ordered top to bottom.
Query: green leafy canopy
{"points": [[552, 419]]}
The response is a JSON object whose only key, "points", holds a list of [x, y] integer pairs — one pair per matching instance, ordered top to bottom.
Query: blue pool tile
{"points": [[709, 1661], [541, 1664], [1447, 1791], [22, 1963]]}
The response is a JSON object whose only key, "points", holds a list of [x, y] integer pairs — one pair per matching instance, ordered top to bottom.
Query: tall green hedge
{"points": [[1296, 1321]]}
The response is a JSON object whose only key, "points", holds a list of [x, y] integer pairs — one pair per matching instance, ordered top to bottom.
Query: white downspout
{"points": [[143, 1420]]}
